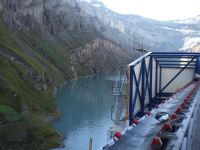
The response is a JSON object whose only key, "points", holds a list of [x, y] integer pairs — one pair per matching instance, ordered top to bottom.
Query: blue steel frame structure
{"points": [[143, 83]]}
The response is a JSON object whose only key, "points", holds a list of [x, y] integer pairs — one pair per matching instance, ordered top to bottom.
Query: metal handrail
{"points": [[140, 59]]}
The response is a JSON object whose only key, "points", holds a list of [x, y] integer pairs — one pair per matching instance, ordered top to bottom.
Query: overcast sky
{"points": [[156, 9]]}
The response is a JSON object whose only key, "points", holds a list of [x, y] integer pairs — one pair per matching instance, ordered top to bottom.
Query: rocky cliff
{"points": [[64, 24], [44, 43]]}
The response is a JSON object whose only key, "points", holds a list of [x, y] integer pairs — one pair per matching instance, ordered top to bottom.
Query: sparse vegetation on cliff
{"points": [[34, 60]]}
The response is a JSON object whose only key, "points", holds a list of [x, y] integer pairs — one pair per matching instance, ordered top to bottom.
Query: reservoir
{"points": [[86, 112]]}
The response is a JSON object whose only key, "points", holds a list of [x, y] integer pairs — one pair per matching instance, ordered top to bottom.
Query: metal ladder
{"points": [[118, 111]]}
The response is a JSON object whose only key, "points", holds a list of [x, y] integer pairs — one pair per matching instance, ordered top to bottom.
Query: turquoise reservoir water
{"points": [[85, 106]]}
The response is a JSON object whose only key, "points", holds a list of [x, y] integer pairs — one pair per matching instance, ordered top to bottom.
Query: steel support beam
{"points": [[151, 76], [176, 76], [156, 80], [131, 95]]}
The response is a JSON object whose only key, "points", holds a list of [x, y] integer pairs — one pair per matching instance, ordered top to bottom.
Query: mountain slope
{"points": [[191, 30], [134, 31], [42, 45], [25, 96]]}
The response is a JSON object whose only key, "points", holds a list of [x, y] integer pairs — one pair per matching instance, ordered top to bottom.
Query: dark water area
{"points": [[86, 112]]}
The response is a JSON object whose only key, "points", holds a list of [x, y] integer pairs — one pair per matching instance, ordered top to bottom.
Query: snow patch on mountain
{"points": [[190, 28], [190, 43]]}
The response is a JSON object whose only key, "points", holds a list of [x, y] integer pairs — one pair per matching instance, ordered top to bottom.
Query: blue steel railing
{"points": [[145, 78]]}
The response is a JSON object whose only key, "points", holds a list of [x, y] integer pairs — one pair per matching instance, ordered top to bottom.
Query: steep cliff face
{"points": [[85, 21], [67, 22], [134, 31], [42, 44], [100, 55]]}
